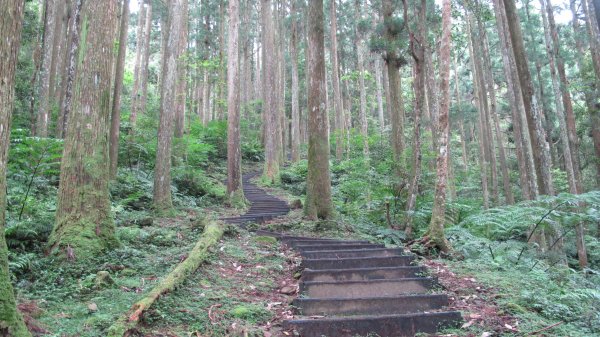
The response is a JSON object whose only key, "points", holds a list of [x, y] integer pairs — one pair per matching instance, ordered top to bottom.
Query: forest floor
{"points": [[244, 288]]}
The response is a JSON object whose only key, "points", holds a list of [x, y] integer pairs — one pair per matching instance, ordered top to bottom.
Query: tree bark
{"points": [[11, 18], [360, 50], [418, 54], [145, 60], [393, 63], [71, 65], [378, 82], [295, 86], [491, 87], [337, 93], [135, 95], [181, 95], [515, 98], [44, 105], [270, 105], [115, 119], [539, 145], [162, 170], [318, 182], [235, 191], [438, 218], [84, 225]]}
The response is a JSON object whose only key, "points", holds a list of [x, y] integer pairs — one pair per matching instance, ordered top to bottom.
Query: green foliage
{"points": [[195, 184]]}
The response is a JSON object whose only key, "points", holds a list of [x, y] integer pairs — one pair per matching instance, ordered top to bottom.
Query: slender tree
{"points": [[11, 17], [360, 50], [145, 61], [337, 92], [135, 93], [181, 94], [44, 106], [115, 118], [271, 118], [540, 147], [295, 149], [234, 154], [162, 170], [318, 184], [438, 216], [84, 225]]}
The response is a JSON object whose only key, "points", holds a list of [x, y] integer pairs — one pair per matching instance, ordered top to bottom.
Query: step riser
{"points": [[296, 243], [306, 248], [352, 253], [370, 262], [362, 275], [366, 289], [369, 306], [400, 326]]}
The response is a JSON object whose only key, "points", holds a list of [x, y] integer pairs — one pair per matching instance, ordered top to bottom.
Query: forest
{"points": [[181, 167]]}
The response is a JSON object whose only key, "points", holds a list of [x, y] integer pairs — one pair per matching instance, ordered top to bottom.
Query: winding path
{"points": [[352, 287]]}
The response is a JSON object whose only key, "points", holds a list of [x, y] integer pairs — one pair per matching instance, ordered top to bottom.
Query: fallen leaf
{"points": [[288, 290], [486, 334]]}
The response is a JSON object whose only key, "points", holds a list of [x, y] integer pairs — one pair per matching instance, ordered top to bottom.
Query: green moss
{"points": [[238, 200], [212, 233], [265, 240], [250, 312]]}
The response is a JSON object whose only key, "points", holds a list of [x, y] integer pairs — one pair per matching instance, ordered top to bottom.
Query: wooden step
{"points": [[319, 242], [338, 246], [347, 253], [358, 262], [362, 274], [369, 288], [404, 304], [384, 326]]}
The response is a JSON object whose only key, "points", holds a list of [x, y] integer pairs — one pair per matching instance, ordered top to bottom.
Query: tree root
{"points": [[124, 325]]}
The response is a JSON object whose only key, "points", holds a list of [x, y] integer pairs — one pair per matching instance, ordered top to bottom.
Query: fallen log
{"points": [[124, 325]]}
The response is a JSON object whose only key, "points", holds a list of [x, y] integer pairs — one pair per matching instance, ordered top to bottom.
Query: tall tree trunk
{"points": [[11, 18], [418, 54], [145, 60], [393, 63], [63, 65], [71, 65], [378, 82], [295, 87], [491, 87], [337, 93], [593, 93], [135, 94], [566, 96], [180, 98], [515, 98], [44, 104], [219, 108], [484, 109], [362, 116], [115, 119], [539, 145], [162, 169], [271, 172], [318, 182], [235, 191], [438, 216], [84, 225]]}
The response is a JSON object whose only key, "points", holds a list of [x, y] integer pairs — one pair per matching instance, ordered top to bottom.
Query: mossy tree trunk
{"points": [[11, 17], [44, 106], [162, 170], [318, 185], [235, 190], [438, 218], [84, 225]]}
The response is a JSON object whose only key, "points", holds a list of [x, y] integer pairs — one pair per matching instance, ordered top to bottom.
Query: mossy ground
{"points": [[235, 291]]}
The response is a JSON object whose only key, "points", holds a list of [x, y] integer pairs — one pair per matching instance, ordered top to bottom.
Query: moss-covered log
{"points": [[212, 233]]}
